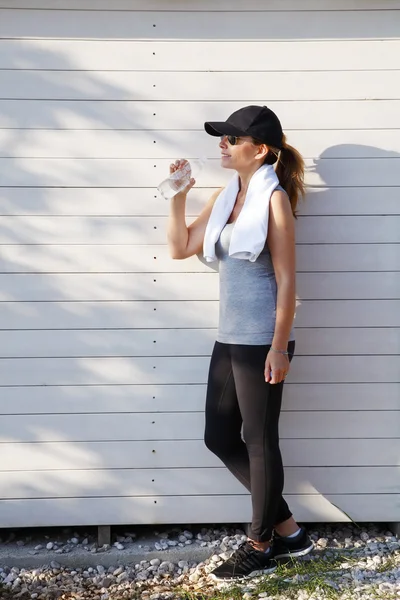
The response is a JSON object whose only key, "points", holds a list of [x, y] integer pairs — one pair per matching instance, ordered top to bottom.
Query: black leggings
{"points": [[238, 394]]}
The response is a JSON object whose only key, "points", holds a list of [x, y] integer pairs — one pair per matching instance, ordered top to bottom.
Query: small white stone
{"points": [[188, 535], [74, 540], [50, 546], [119, 546], [158, 546], [39, 547], [215, 558], [377, 560], [155, 562], [182, 564]]}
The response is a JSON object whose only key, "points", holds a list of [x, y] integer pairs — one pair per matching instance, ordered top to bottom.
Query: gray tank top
{"points": [[248, 291]]}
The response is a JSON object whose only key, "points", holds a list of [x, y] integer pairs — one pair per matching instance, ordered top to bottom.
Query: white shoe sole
{"points": [[296, 553], [243, 577]]}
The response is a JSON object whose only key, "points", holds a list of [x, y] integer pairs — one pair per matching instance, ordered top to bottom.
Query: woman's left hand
{"points": [[278, 364]]}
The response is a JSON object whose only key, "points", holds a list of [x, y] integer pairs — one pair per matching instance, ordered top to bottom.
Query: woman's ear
{"points": [[263, 150]]}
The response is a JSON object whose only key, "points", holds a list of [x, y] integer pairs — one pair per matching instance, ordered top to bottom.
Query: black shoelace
{"points": [[243, 553]]}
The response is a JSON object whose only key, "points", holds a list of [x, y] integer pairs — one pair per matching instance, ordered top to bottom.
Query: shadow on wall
{"points": [[358, 259], [90, 371]]}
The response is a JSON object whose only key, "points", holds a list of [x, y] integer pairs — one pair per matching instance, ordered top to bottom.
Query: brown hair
{"points": [[289, 170]]}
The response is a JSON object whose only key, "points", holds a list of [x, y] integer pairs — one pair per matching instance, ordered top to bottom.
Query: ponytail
{"points": [[289, 170]]}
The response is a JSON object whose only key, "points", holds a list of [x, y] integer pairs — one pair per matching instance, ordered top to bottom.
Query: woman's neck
{"points": [[245, 177]]}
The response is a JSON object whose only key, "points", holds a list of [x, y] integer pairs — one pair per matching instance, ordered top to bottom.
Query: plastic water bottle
{"points": [[178, 180]]}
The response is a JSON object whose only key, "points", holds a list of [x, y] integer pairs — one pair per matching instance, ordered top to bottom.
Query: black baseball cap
{"points": [[259, 122]]}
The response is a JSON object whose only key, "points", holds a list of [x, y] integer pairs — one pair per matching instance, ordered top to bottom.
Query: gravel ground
{"points": [[367, 565]]}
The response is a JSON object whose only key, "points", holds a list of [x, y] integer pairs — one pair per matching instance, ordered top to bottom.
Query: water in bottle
{"points": [[178, 180]]}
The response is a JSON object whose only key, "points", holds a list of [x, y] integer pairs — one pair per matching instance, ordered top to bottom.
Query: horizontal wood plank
{"points": [[202, 5], [197, 25], [201, 56], [200, 86], [169, 115], [370, 143], [94, 172], [42, 201], [145, 230], [107, 258], [112, 258], [185, 286], [184, 314], [184, 342], [186, 370], [172, 398], [190, 426], [189, 454], [194, 482], [193, 509]]}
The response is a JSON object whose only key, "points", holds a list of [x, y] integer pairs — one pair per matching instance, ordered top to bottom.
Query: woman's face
{"points": [[242, 155]]}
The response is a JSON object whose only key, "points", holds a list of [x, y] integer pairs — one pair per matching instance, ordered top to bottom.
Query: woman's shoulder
{"points": [[279, 188]]}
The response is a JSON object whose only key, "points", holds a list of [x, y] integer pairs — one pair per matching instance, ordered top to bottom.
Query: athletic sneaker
{"points": [[300, 545], [246, 561]]}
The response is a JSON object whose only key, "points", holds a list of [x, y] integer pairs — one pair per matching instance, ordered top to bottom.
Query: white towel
{"points": [[251, 227]]}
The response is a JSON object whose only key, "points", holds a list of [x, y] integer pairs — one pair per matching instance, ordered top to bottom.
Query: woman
{"points": [[248, 227]]}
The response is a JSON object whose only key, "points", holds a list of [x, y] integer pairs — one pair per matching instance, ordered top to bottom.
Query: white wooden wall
{"points": [[104, 340]]}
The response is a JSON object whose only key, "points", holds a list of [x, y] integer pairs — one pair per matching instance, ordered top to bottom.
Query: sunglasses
{"points": [[232, 139]]}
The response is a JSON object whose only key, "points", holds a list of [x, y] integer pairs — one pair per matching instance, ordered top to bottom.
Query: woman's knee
{"points": [[211, 441], [218, 444]]}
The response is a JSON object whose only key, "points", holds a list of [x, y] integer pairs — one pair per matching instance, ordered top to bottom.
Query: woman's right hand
{"points": [[180, 164]]}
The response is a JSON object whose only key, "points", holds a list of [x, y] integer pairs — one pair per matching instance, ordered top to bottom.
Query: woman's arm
{"points": [[186, 241], [281, 244]]}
